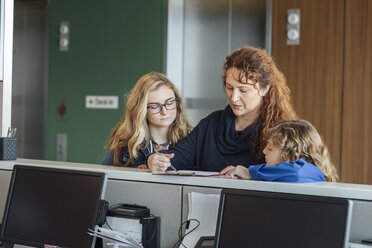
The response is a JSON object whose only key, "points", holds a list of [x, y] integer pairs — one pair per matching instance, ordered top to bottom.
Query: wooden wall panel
{"points": [[314, 68], [357, 107]]}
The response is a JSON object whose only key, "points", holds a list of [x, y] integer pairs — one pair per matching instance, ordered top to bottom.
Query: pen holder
{"points": [[8, 148]]}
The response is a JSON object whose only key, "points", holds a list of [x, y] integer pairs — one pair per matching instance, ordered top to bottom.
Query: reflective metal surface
{"points": [[200, 36]]}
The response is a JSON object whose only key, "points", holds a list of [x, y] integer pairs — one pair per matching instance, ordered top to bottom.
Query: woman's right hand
{"points": [[159, 162]]}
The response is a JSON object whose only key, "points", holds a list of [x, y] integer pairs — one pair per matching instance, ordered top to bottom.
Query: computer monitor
{"points": [[49, 206], [268, 219]]}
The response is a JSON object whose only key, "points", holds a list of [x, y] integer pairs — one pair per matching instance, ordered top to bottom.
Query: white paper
{"points": [[191, 173], [207, 173], [204, 208], [131, 227], [114, 238]]}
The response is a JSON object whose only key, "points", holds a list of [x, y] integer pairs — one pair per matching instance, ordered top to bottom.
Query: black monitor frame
{"points": [[98, 179], [346, 206]]}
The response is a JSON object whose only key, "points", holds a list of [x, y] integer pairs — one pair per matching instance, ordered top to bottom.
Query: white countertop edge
{"points": [[345, 190]]}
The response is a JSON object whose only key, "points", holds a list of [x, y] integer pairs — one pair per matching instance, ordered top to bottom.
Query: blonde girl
{"points": [[154, 119], [295, 152]]}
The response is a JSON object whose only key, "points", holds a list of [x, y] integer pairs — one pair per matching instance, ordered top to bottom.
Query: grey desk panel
{"points": [[5, 177], [185, 199], [164, 200], [361, 222]]}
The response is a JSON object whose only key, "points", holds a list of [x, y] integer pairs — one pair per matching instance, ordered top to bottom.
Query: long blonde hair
{"points": [[256, 65], [132, 130], [299, 139]]}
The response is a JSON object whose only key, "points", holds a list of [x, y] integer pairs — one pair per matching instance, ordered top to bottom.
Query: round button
{"points": [[293, 18], [63, 29], [293, 34], [63, 42]]}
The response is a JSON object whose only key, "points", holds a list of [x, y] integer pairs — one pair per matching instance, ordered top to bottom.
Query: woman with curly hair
{"points": [[258, 98], [154, 120], [295, 152]]}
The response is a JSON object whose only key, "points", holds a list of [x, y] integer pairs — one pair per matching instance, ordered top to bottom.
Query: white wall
{"points": [[6, 96]]}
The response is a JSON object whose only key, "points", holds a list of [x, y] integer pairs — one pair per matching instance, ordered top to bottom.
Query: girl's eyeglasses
{"points": [[156, 108]]}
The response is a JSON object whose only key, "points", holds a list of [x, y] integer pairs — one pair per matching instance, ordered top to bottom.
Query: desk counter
{"points": [[345, 190], [166, 196]]}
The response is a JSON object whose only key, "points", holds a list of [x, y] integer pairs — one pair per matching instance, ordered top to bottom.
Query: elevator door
{"points": [[201, 33]]}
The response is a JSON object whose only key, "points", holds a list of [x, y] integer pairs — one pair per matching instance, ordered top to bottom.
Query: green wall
{"points": [[112, 44]]}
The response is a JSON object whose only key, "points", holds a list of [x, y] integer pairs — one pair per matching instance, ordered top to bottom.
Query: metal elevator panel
{"points": [[210, 30], [29, 92]]}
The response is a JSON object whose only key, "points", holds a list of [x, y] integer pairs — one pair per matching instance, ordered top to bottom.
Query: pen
{"points": [[14, 130], [11, 132], [172, 167]]}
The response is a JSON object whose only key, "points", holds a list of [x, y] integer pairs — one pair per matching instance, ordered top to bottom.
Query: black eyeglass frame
{"points": [[159, 107]]}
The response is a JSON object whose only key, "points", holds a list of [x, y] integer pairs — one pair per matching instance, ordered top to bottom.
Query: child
{"points": [[154, 119], [295, 152]]}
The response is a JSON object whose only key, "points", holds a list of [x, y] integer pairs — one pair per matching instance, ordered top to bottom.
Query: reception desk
{"points": [[166, 196]]}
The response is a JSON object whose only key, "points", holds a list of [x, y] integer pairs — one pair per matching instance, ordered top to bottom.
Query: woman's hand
{"points": [[159, 162], [227, 171], [236, 172]]}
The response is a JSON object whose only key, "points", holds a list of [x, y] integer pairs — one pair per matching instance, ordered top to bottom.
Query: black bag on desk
{"points": [[150, 223]]}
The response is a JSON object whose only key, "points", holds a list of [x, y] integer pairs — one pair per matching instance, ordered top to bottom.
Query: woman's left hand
{"points": [[228, 170], [238, 171]]}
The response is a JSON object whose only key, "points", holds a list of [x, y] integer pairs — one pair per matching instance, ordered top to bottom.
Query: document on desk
{"points": [[190, 173], [204, 208]]}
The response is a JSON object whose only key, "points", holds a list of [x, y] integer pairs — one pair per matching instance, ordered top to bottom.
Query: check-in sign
{"points": [[102, 102]]}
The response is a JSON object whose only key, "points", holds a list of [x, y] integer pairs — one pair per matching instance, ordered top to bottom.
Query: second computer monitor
{"points": [[268, 219]]}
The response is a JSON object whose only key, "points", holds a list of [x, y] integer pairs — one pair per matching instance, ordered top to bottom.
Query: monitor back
{"points": [[52, 206], [268, 219]]}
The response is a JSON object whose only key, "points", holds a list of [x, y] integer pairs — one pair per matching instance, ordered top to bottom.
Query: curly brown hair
{"points": [[256, 65], [299, 139]]}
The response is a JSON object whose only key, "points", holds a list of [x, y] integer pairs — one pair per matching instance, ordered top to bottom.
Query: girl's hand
{"points": [[159, 162], [142, 166]]}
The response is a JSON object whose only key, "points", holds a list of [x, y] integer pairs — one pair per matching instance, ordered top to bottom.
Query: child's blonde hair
{"points": [[133, 129], [299, 139]]}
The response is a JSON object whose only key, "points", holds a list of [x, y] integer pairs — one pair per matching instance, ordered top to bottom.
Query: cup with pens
{"points": [[8, 145]]}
